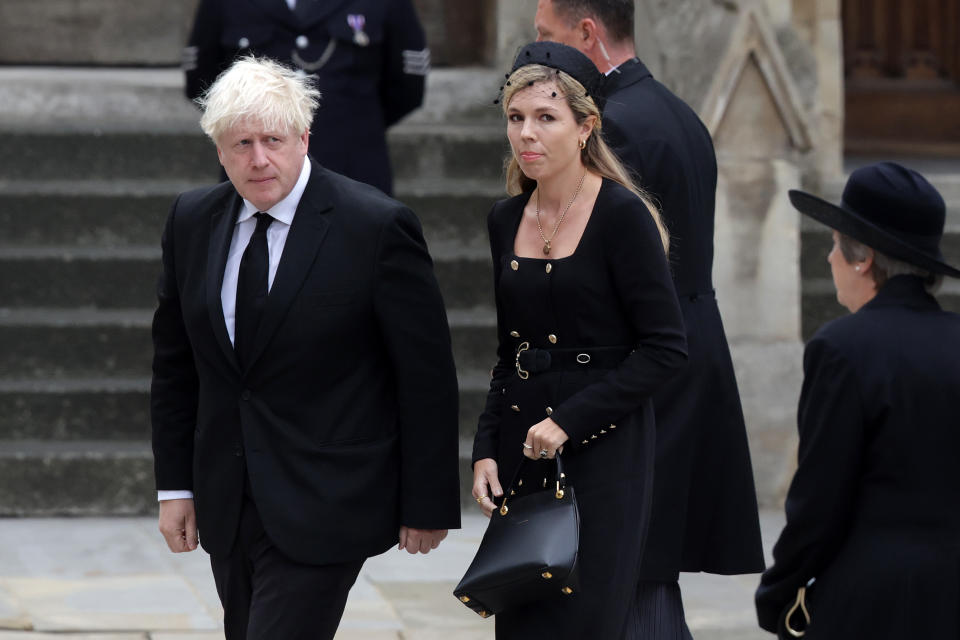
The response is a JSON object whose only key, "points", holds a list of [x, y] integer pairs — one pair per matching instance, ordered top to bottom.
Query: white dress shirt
{"points": [[283, 213]]}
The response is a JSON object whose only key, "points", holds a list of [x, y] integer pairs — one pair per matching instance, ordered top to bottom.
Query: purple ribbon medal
{"points": [[357, 22]]}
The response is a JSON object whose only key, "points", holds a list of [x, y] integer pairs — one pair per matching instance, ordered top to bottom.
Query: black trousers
{"points": [[267, 596]]}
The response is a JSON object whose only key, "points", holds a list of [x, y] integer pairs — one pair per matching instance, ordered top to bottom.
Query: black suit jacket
{"points": [[367, 85], [345, 418], [705, 506], [872, 511]]}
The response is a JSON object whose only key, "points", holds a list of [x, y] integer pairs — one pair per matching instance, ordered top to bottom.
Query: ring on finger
{"points": [[527, 446], [543, 453], [480, 499]]}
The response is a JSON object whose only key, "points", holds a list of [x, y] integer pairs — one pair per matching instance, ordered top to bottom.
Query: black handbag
{"points": [[530, 550]]}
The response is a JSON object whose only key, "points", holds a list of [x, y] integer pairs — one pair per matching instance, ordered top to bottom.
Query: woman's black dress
{"points": [[613, 300]]}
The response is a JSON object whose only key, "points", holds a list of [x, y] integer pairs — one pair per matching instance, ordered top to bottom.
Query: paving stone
{"points": [[111, 603], [368, 610], [12, 615], [30, 635]]}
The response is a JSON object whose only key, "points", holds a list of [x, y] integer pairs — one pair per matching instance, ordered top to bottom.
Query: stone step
{"points": [[36, 98], [436, 150], [448, 150], [132, 212], [126, 277], [820, 302], [45, 344], [75, 409], [117, 409], [76, 478], [99, 478]]}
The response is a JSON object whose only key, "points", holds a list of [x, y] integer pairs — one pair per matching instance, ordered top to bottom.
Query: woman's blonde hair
{"points": [[258, 90], [597, 156]]}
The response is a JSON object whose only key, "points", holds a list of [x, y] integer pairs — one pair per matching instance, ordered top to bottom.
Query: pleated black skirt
{"points": [[657, 614]]}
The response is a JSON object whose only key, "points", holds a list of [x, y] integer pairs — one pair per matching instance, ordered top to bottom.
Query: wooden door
{"points": [[459, 32], [902, 72]]}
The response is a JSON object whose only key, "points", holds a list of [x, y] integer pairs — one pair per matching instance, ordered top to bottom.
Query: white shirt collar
{"points": [[612, 69], [284, 210]]}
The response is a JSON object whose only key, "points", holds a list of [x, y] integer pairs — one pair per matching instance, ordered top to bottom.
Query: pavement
{"points": [[113, 579]]}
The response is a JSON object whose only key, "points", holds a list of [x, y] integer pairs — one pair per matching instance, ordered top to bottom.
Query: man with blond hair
{"points": [[304, 398]]}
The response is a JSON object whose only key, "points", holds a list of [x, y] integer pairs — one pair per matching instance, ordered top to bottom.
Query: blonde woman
{"points": [[588, 326]]}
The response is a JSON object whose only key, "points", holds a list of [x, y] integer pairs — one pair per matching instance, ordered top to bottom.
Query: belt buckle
{"points": [[520, 371]]}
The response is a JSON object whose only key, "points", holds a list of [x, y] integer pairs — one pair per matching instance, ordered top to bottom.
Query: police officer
{"points": [[369, 57]]}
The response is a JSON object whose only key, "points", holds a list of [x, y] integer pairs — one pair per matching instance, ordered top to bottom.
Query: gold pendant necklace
{"points": [[546, 242]]}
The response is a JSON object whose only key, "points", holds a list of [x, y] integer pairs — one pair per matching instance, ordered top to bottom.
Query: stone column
{"points": [[514, 28]]}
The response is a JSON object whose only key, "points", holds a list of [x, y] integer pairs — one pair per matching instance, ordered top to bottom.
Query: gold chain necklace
{"points": [[546, 242]]}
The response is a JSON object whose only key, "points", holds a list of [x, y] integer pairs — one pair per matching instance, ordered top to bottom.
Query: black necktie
{"points": [[252, 288]]}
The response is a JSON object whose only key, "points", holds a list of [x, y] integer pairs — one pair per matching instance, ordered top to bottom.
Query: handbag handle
{"points": [[517, 482], [801, 603]]}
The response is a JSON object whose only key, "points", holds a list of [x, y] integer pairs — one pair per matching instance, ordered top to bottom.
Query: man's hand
{"points": [[178, 524], [422, 540]]}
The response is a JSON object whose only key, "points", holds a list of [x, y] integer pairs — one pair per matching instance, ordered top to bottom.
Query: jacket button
{"points": [[302, 42], [514, 265], [548, 268], [514, 334], [552, 338], [245, 395], [515, 408], [549, 411], [585, 442]]}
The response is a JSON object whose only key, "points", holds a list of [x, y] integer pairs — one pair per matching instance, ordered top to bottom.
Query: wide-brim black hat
{"points": [[569, 60], [889, 208]]}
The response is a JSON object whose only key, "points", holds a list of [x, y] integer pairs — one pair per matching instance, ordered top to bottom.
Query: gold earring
{"points": [[583, 144]]}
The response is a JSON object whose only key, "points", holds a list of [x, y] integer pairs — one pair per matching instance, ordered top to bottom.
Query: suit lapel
{"points": [[221, 232], [303, 241]]}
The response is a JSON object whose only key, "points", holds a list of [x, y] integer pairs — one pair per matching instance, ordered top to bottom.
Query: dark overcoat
{"points": [[370, 59], [612, 300], [345, 417], [705, 505], [872, 511]]}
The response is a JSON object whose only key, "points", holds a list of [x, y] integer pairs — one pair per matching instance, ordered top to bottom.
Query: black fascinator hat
{"points": [[566, 59], [889, 208]]}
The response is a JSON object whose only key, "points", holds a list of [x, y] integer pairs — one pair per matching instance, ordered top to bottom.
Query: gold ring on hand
{"points": [[480, 499]]}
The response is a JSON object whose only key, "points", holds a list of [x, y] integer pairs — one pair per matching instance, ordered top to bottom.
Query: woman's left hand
{"points": [[546, 436]]}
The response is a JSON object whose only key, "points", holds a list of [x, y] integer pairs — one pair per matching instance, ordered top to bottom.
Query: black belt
{"points": [[533, 360]]}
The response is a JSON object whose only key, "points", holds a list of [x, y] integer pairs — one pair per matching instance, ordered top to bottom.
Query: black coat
{"points": [[368, 81], [614, 292], [345, 419], [705, 505], [872, 512]]}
